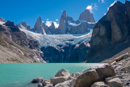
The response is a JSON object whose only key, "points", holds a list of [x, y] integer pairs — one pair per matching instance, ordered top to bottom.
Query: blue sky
{"points": [[30, 10]]}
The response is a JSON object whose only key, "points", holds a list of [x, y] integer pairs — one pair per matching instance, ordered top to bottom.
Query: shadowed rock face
{"points": [[86, 16], [111, 30], [67, 53]]}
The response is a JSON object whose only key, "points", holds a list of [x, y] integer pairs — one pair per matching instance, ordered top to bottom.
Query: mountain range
{"points": [[66, 26], [82, 40]]}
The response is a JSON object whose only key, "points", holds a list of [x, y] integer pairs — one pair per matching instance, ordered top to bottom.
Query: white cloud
{"points": [[101, 1], [90, 8], [47, 19], [57, 20]]}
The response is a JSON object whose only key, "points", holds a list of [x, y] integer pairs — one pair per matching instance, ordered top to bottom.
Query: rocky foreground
{"points": [[114, 74]]}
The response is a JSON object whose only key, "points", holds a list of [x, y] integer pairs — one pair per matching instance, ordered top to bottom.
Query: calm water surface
{"points": [[20, 75]]}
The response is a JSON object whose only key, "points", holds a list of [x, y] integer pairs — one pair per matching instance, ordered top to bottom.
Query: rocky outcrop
{"points": [[62, 25], [39, 26], [111, 32], [16, 47], [67, 53]]}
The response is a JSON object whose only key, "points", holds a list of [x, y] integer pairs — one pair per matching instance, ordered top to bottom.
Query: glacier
{"points": [[58, 39]]}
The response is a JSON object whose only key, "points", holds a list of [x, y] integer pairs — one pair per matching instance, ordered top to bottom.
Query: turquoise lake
{"points": [[20, 75]]}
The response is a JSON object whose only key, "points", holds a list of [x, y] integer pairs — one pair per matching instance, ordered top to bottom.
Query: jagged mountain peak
{"points": [[64, 14], [87, 16], [24, 25], [39, 26]]}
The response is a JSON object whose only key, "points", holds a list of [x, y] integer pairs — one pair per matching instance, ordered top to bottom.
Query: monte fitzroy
{"points": [[82, 40]]}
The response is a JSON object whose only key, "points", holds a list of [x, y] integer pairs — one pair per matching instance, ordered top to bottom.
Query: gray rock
{"points": [[105, 71], [62, 72], [87, 78], [37, 80], [57, 80], [46, 82], [115, 82], [99, 84], [40, 85]]}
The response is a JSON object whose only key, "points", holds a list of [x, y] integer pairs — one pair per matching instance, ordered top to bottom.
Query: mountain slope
{"points": [[111, 34], [16, 47]]}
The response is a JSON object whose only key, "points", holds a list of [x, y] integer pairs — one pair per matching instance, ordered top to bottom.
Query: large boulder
{"points": [[105, 71], [62, 72], [87, 78], [37, 80], [57, 80], [115, 82], [99, 84]]}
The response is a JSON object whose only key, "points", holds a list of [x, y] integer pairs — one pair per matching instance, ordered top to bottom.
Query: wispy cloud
{"points": [[101, 1], [92, 7]]}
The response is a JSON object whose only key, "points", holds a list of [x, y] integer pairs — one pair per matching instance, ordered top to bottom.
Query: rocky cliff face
{"points": [[86, 16], [39, 27], [112, 33], [16, 47], [66, 54]]}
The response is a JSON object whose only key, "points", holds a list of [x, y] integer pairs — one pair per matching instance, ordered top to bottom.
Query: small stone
{"points": [[40, 85]]}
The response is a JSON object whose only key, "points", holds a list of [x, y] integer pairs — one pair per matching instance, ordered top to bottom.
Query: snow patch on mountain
{"points": [[112, 4], [1, 22], [49, 23], [59, 39]]}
